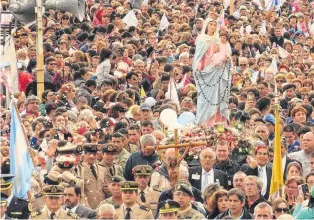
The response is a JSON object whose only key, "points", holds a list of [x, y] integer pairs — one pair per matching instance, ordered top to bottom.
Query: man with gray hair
{"points": [[31, 106], [142, 157], [106, 211], [263, 211]]}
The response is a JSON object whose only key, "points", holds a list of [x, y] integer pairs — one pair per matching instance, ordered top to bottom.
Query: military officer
{"points": [[109, 154], [122, 154], [93, 175], [53, 178], [115, 189], [183, 195], [146, 196], [17, 207], [129, 208], [52, 209], [168, 209]]}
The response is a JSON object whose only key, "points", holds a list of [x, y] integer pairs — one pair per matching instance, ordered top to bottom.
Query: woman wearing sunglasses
{"points": [[280, 207]]}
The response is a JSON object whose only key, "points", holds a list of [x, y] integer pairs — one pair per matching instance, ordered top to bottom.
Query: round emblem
{"points": [[94, 148], [110, 148], [126, 185], [54, 189]]}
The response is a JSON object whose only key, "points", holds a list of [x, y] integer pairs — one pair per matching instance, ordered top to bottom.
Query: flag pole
{"points": [[28, 145]]}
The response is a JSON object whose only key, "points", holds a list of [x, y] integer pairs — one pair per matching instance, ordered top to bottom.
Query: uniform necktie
{"points": [[92, 168], [75, 170], [111, 171], [143, 197], [128, 214], [52, 215]]}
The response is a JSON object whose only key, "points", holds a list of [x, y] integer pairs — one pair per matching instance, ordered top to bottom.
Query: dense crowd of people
{"points": [[106, 85]]}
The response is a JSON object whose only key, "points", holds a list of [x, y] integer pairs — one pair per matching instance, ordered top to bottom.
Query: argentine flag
{"points": [[21, 165]]}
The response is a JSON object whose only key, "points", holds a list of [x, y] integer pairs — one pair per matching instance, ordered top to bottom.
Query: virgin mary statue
{"points": [[212, 73]]}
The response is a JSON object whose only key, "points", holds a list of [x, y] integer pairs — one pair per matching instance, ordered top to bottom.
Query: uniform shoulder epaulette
{"points": [[101, 165], [156, 189], [38, 195], [117, 206], [147, 209], [33, 214], [73, 215]]}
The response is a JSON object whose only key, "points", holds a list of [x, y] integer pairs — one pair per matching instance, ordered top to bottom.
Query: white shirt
{"points": [[263, 176], [210, 178], [9, 199], [74, 208]]}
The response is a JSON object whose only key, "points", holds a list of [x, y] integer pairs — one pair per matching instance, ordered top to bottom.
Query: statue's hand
{"points": [[217, 48]]}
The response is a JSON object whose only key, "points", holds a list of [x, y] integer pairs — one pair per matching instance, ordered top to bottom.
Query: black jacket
{"points": [[278, 41], [137, 158], [229, 167], [254, 172], [219, 177], [252, 207], [18, 209], [86, 213], [246, 215]]}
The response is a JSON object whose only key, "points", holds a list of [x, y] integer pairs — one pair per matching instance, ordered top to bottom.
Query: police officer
{"points": [[109, 155], [93, 175], [115, 189], [183, 195], [146, 196], [53, 200], [17, 207], [129, 208], [168, 209]]}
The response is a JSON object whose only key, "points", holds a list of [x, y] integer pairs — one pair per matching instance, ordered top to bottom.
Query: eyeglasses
{"points": [[65, 18], [62, 43], [285, 210]]}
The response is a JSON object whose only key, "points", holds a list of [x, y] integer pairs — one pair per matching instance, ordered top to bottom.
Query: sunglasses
{"points": [[66, 18], [62, 42], [243, 64], [281, 209]]}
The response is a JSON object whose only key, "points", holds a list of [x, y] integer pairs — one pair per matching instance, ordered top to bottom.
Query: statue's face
{"points": [[211, 27]]}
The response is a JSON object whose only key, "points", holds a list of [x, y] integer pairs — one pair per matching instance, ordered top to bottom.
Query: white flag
{"points": [[258, 3], [236, 14], [130, 19], [164, 23], [248, 29], [263, 29], [282, 52], [257, 54], [273, 66], [172, 92]]}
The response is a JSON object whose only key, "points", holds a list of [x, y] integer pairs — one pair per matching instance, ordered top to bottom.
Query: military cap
{"points": [[288, 86], [69, 148], [90, 148], [110, 148], [65, 161], [142, 170], [68, 177], [53, 178], [117, 179], [6, 181], [129, 185], [183, 188], [53, 190], [3, 199], [168, 206]]}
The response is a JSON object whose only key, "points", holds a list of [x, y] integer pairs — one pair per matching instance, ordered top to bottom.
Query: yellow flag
{"points": [[143, 94], [277, 175]]}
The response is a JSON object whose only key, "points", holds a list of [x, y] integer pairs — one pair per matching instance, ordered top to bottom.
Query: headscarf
{"points": [[204, 35]]}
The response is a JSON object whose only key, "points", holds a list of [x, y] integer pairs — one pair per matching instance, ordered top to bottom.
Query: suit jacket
{"points": [[274, 39], [254, 172], [219, 177], [93, 188], [18, 208], [84, 212], [137, 212]]}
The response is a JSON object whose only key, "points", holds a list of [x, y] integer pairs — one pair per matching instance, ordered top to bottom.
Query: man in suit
{"points": [[277, 39], [260, 167], [93, 175], [201, 176], [72, 196], [146, 196], [53, 201], [16, 208], [129, 208]]}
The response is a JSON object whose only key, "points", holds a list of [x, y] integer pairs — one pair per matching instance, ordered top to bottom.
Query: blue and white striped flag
{"points": [[21, 165]]}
